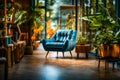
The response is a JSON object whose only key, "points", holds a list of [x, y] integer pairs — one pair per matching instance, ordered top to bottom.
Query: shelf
{"points": [[5, 6], [64, 7], [8, 22]]}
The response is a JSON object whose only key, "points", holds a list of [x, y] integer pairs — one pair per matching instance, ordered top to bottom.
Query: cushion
{"points": [[54, 44]]}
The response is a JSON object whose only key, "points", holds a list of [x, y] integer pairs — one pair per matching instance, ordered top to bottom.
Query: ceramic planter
{"points": [[110, 50]]}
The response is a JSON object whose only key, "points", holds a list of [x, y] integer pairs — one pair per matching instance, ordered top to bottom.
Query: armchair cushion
{"points": [[54, 44]]}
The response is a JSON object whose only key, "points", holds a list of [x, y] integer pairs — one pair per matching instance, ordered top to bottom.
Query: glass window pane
{"points": [[41, 2]]}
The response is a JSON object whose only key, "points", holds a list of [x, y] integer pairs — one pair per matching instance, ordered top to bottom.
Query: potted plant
{"points": [[104, 26], [81, 39]]}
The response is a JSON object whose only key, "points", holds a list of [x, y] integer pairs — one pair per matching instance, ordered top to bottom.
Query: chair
{"points": [[23, 35], [61, 41], [107, 56], [111, 56], [3, 57], [3, 60], [108, 60]]}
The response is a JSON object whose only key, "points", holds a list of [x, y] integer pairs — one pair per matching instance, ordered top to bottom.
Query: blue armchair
{"points": [[61, 41]]}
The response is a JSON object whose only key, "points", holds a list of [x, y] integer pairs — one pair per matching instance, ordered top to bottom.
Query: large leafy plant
{"points": [[28, 16], [32, 18], [104, 26]]}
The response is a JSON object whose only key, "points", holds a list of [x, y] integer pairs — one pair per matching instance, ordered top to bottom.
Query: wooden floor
{"points": [[37, 67]]}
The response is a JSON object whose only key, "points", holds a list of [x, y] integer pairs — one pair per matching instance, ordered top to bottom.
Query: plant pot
{"points": [[109, 51]]}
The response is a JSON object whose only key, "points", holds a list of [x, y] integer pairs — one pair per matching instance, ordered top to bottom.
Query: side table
{"points": [[82, 49]]}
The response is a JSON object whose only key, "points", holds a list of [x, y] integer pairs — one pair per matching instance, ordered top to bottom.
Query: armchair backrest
{"points": [[62, 35]]}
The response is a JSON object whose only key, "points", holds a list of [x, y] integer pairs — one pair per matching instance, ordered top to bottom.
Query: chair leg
{"points": [[71, 53], [47, 54], [57, 54], [63, 54], [99, 63], [106, 64], [113, 65], [6, 71]]}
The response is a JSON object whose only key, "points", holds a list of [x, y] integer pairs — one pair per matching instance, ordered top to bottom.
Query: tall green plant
{"points": [[28, 17], [31, 18], [103, 24]]}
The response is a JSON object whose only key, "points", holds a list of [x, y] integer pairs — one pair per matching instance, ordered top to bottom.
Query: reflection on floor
{"points": [[37, 67]]}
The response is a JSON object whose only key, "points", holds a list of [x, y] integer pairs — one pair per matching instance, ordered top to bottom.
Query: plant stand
{"points": [[82, 49]]}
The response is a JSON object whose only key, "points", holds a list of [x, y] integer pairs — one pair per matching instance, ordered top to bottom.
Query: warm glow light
{"points": [[48, 14], [50, 29]]}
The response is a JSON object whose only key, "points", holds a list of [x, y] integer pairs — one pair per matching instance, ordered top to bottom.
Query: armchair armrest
{"points": [[44, 41], [70, 44]]}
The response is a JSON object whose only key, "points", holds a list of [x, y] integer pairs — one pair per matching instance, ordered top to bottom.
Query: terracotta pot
{"points": [[109, 50]]}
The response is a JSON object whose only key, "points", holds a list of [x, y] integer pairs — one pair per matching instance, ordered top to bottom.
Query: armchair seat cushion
{"points": [[55, 45]]}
